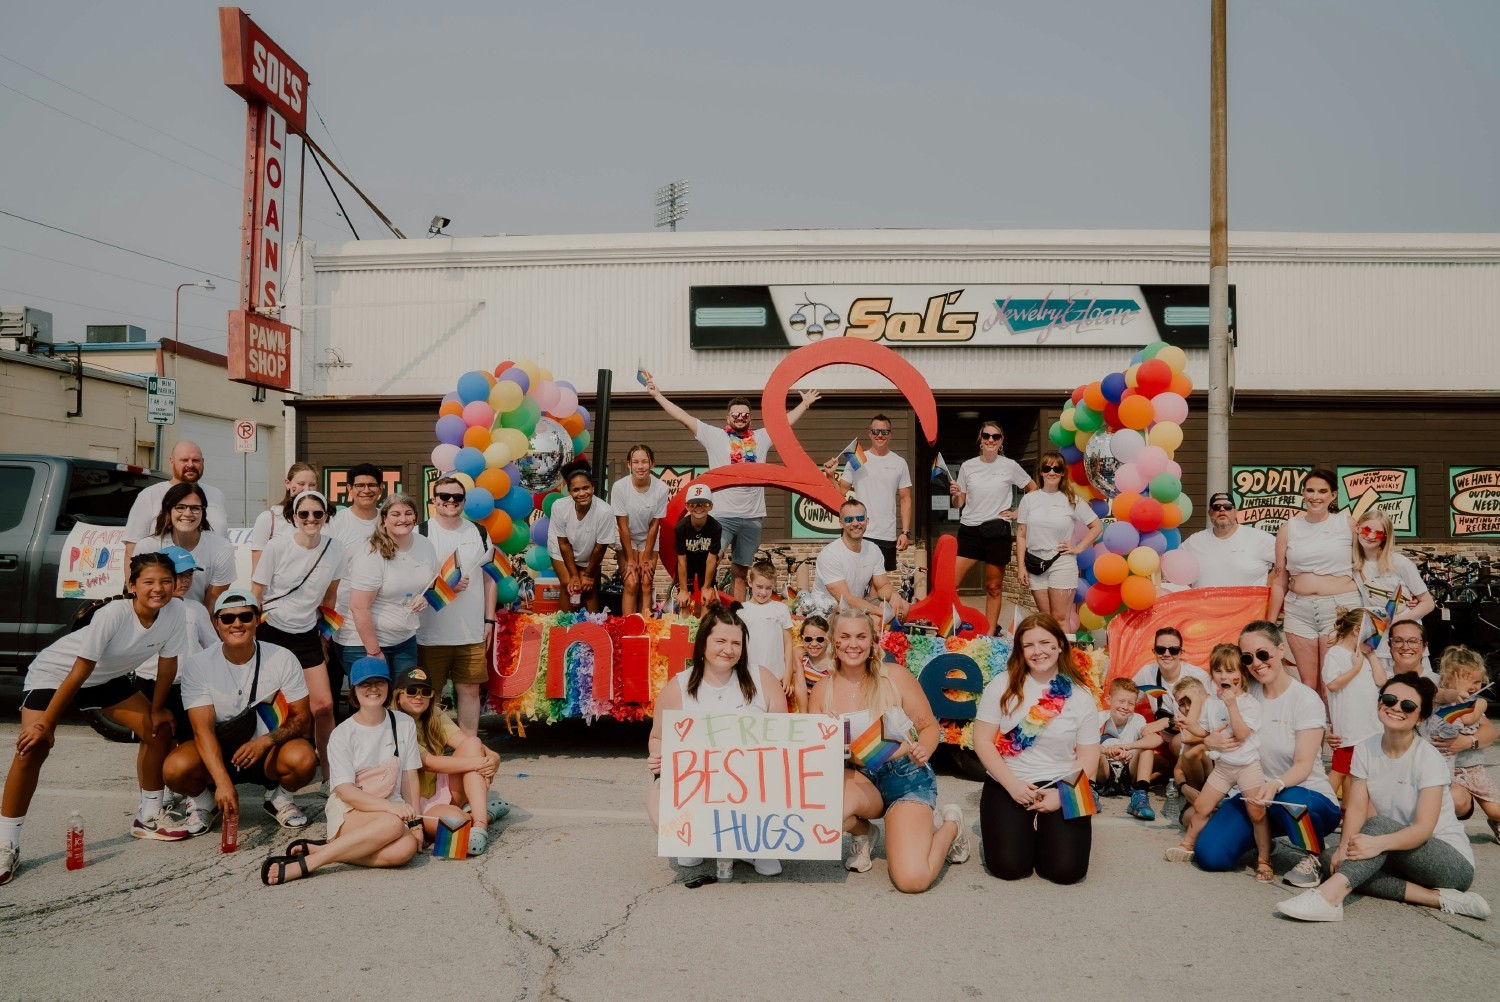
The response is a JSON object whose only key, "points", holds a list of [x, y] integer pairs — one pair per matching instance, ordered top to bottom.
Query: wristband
{"points": [[489, 622]]}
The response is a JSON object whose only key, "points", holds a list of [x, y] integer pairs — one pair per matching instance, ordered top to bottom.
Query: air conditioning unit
{"points": [[22, 326], [114, 334]]}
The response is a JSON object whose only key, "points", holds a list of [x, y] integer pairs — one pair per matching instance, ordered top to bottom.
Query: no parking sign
{"points": [[244, 436]]}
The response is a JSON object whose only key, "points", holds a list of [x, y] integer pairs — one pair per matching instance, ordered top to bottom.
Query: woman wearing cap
{"points": [[984, 489], [640, 503], [1046, 518], [183, 521], [275, 521], [580, 532], [1230, 554], [298, 572], [1314, 575], [388, 581], [91, 668], [218, 684], [374, 765]]}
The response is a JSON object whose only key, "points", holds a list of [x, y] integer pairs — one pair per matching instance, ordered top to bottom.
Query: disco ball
{"points": [[550, 450], [1100, 464]]}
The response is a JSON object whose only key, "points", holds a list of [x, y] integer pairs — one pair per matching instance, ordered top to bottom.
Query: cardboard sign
{"points": [[1390, 490], [1267, 495], [1474, 501], [92, 562], [751, 786]]}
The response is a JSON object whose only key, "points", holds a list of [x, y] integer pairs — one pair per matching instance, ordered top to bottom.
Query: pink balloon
{"points": [[547, 395], [567, 401], [1170, 407], [479, 414], [1126, 444], [443, 457], [1152, 460], [1174, 468], [1128, 479], [1179, 567]]}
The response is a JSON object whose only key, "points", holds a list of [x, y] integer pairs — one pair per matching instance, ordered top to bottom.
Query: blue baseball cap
{"points": [[182, 560], [367, 668]]}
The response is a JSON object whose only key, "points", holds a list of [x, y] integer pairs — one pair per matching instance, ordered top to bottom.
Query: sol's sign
{"points": [[259, 70]]}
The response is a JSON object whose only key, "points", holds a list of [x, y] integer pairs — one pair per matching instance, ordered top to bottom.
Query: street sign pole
{"points": [[161, 409]]}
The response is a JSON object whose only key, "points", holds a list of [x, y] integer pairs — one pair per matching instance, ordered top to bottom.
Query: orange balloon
{"points": [[491, 378], [1181, 385], [1093, 395], [453, 407], [1137, 413], [572, 424], [477, 438], [495, 481], [1121, 505], [1171, 516], [498, 524], [1111, 569], [1137, 592]]}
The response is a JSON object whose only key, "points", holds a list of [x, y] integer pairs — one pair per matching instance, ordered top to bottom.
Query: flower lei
{"points": [[741, 445], [1024, 735]]}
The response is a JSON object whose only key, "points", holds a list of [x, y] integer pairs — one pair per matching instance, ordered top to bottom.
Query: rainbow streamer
{"points": [[854, 458], [939, 471], [498, 566], [444, 587], [329, 622], [1378, 623], [1151, 690], [273, 711], [1452, 714], [878, 745], [1077, 795], [1300, 830], [451, 841]]}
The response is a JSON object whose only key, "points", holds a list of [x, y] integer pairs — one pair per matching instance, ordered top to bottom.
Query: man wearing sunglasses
{"points": [[186, 464], [883, 483], [1229, 554], [851, 571], [1168, 670]]}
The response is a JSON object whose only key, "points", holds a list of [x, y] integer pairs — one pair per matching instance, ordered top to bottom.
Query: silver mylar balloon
{"points": [[550, 450], [1100, 464]]}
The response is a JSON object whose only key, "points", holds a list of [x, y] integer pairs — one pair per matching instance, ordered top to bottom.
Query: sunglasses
{"points": [[740, 416], [880, 433], [990, 436], [1054, 469], [448, 498], [1221, 507], [312, 516], [851, 519], [1372, 534], [229, 618], [815, 640], [1171, 652], [1249, 659], [418, 691], [1407, 705]]}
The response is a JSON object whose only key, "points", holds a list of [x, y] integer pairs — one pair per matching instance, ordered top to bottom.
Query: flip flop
{"points": [[298, 848], [281, 863]]}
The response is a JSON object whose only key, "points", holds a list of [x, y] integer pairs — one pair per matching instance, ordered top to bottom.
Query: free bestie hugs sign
{"points": [[751, 786]]}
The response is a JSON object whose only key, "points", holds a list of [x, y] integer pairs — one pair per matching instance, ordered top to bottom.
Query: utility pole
{"points": [[1220, 392]]}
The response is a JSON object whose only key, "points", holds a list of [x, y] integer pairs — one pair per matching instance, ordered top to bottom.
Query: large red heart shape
{"points": [[683, 726], [828, 730], [685, 832], [826, 835]]}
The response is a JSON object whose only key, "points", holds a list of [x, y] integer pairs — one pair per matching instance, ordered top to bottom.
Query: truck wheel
{"points": [[108, 727], [966, 762]]}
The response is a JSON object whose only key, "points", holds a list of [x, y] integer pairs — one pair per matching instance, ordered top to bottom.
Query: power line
{"points": [[106, 243], [84, 267], [108, 309]]}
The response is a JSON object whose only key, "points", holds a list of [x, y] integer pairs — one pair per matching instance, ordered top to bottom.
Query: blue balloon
{"points": [[1138, 357], [514, 375], [473, 386], [1113, 386], [450, 429], [1071, 454], [470, 461], [512, 472], [517, 502], [478, 503], [1099, 507], [539, 530], [1121, 538], [1173, 538], [1157, 540], [1086, 561], [1081, 593]]}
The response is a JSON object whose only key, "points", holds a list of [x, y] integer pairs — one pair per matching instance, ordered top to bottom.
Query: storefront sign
{"points": [[259, 70], [929, 316], [676, 477], [336, 485], [1390, 490], [1267, 495], [1474, 501], [811, 520], [92, 562]]}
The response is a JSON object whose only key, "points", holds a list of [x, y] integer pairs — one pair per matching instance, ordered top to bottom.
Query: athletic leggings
{"points": [[1017, 841], [1432, 864]]}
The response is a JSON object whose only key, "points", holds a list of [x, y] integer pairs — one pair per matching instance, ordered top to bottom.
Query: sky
{"points": [[1345, 115]]}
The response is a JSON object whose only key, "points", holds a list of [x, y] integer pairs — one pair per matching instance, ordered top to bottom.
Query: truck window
{"points": [[15, 494], [101, 496]]}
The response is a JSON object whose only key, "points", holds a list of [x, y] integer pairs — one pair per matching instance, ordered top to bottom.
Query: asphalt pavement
{"points": [[570, 902]]}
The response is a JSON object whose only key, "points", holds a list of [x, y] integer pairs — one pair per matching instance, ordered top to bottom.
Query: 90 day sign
{"points": [[751, 786]]}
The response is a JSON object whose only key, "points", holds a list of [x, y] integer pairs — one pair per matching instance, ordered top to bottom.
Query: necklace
{"points": [[1024, 735]]}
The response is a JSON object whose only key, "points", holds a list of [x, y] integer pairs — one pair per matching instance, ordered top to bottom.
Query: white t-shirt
{"points": [[875, 485], [989, 488], [734, 502], [639, 507], [1049, 520], [141, 522], [269, 524], [598, 527], [354, 532], [213, 554], [1245, 558], [836, 562], [283, 564], [395, 582], [1376, 589], [462, 620], [767, 625], [200, 629], [115, 641], [1151, 674], [209, 679], [725, 698], [1353, 708], [1298, 709], [1216, 714], [1133, 729], [354, 746], [1054, 753], [1395, 783]]}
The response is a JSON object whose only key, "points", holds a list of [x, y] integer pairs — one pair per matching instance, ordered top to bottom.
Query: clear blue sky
{"points": [[1345, 115]]}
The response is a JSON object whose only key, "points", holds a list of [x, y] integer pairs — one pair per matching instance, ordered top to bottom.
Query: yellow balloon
{"points": [[1174, 356], [532, 370], [546, 374], [1130, 374], [506, 396], [1067, 420], [1166, 435], [1081, 439], [514, 440], [498, 454], [464, 479], [1143, 560], [1089, 619]]}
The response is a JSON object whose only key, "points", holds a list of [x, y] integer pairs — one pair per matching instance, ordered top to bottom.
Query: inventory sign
{"points": [[1389, 490]]}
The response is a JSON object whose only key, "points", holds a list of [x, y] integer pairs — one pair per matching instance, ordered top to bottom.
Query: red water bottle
{"points": [[229, 839], [75, 841]]}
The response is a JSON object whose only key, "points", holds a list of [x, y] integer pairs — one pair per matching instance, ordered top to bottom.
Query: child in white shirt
{"points": [[768, 623], [1462, 673], [1353, 677], [1125, 749]]}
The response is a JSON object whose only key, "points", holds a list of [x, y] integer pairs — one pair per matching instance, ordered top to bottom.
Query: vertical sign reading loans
{"points": [[1474, 501], [751, 786]]}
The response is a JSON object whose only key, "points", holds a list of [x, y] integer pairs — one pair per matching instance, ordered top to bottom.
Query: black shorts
{"points": [[989, 543], [887, 550], [308, 647], [90, 697], [183, 726]]}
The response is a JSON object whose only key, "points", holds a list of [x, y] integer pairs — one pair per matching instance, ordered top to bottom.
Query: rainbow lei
{"points": [[1024, 735]]}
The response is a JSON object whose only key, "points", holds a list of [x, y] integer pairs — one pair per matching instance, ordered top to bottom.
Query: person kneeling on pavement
{"points": [[251, 720]]}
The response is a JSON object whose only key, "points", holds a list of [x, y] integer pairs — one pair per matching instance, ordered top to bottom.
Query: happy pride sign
{"points": [[751, 786]]}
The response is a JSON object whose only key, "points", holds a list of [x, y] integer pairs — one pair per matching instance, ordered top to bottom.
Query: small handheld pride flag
{"points": [[640, 374], [854, 458], [939, 472], [498, 566], [444, 587], [329, 622], [955, 624], [1150, 690], [273, 711], [1453, 714], [879, 744], [1077, 795], [1300, 830], [451, 841]]}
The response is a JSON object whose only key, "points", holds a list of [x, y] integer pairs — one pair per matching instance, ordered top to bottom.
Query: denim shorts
{"points": [[740, 539], [1312, 616], [902, 779]]}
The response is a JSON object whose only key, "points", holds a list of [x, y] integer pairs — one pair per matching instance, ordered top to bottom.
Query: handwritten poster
{"points": [[676, 476], [1391, 490], [1267, 495], [1474, 501], [92, 562], [751, 786]]}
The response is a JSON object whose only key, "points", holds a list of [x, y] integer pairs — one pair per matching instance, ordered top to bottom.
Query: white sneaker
{"points": [[197, 821], [959, 851], [859, 852], [689, 860], [10, 862], [766, 867], [725, 870], [1304, 874], [1463, 903], [1310, 906]]}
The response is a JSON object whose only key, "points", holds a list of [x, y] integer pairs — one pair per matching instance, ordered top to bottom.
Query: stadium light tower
{"points": [[671, 204]]}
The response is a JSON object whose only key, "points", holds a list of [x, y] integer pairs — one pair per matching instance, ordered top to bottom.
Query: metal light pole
{"points": [[671, 204], [207, 285], [1219, 389]]}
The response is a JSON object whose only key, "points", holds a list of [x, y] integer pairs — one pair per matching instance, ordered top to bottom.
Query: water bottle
{"points": [[575, 600], [1173, 807], [229, 839], [75, 841]]}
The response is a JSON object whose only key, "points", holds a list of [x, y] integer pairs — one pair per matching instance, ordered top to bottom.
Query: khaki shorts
{"points": [[463, 663], [1226, 777]]}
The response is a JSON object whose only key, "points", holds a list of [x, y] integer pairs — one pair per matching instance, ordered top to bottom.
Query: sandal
{"points": [[497, 808], [302, 846], [1179, 854], [281, 863], [1263, 871]]}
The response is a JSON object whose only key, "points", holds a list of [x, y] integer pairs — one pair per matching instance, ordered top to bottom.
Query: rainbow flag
{"points": [[640, 374], [854, 458], [939, 472], [498, 566], [444, 587], [888, 620], [329, 622], [1378, 622], [954, 625], [1150, 690], [273, 710], [1452, 714], [878, 744], [1077, 793], [1300, 830], [451, 841]]}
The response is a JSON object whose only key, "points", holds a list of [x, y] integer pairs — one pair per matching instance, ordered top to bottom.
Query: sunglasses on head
{"points": [[991, 436], [1054, 469], [449, 498], [1221, 507], [312, 516], [851, 519], [228, 618], [1166, 651], [1248, 659], [418, 691], [1407, 705]]}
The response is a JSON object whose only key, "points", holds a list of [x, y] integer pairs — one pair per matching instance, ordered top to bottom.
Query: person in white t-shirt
{"points": [[186, 464], [883, 483], [985, 490], [640, 503], [738, 510], [1046, 518], [277, 519], [183, 522], [353, 526], [581, 531], [1230, 554], [851, 572], [1381, 572], [389, 581], [768, 623], [200, 629], [452, 641], [90, 668], [1352, 678], [222, 681], [1125, 749], [1184, 761], [376, 764], [1020, 822], [1401, 841]]}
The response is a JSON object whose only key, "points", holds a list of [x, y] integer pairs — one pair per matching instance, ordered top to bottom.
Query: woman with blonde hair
{"points": [[300, 477], [1044, 536], [1379, 571], [388, 581], [862, 694]]}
